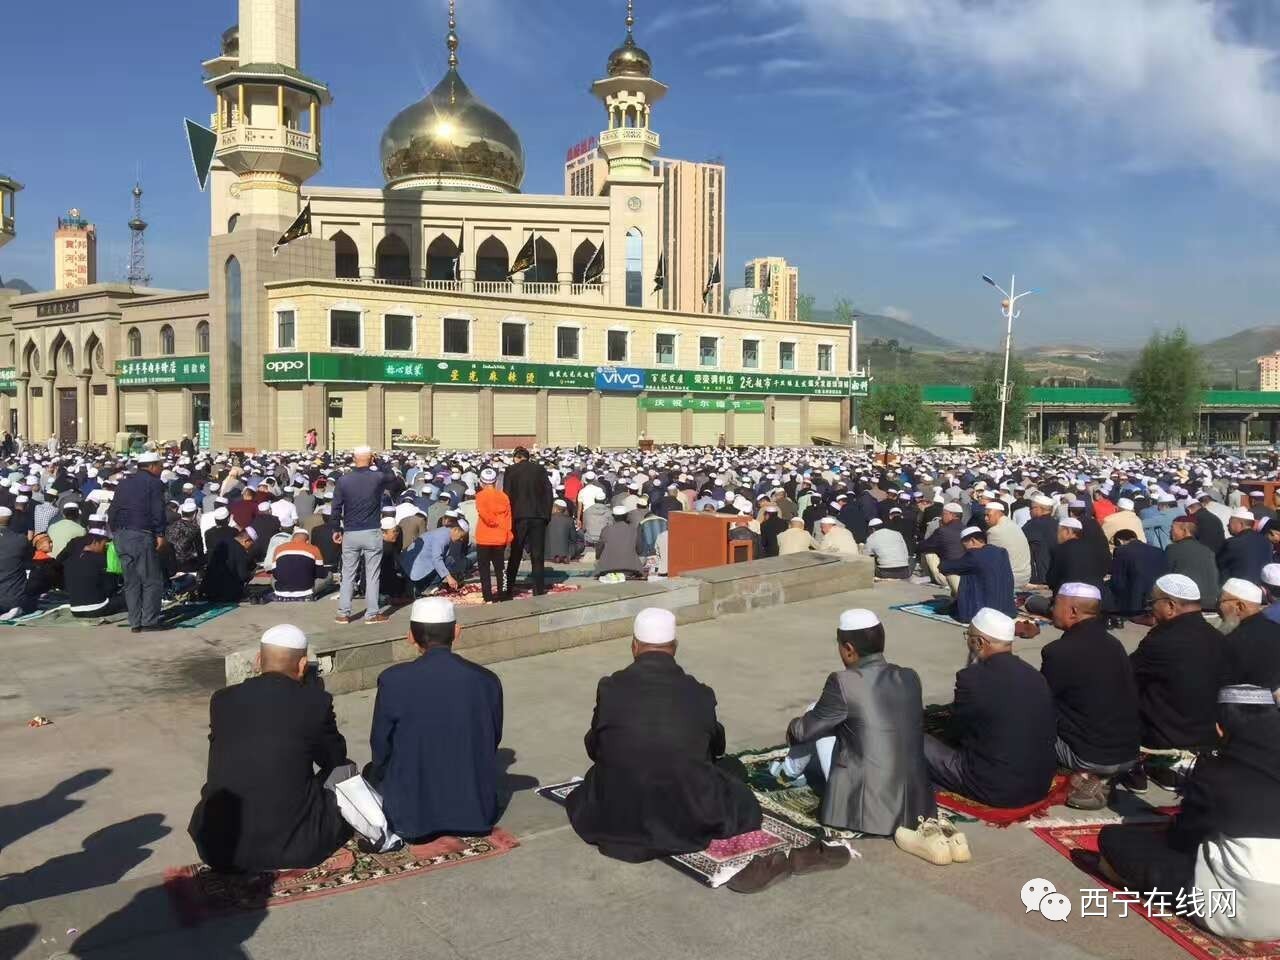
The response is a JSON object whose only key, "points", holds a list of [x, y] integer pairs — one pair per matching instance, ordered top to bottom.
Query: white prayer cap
{"points": [[362, 451], [149, 457], [91, 472], [488, 475], [589, 475], [1257, 493], [21, 498], [1166, 498], [1043, 501], [1124, 503], [562, 504], [742, 504], [995, 505], [188, 506], [264, 507], [953, 508], [771, 509], [620, 510], [5, 513], [221, 513], [1243, 514], [797, 521], [828, 521], [876, 522], [388, 523], [1071, 523], [463, 525], [97, 531], [968, 532], [252, 534], [1271, 574], [1179, 586], [1242, 590], [1081, 591], [432, 610], [857, 619], [993, 624], [655, 627], [285, 635]]}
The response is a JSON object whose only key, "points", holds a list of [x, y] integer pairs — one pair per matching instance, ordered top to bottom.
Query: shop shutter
{"points": [[133, 403], [401, 410], [515, 413], [456, 415], [174, 417], [567, 418], [619, 419], [100, 420], [824, 420], [786, 423], [665, 426], [708, 428], [353, 429], [748, 429], [291, 430]]}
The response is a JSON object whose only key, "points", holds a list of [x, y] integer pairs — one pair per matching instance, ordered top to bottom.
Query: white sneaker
{"points": [[958, 841], [925, 842]]}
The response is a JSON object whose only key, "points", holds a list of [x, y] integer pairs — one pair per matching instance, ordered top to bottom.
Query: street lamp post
{"points": [[1010, 312]]}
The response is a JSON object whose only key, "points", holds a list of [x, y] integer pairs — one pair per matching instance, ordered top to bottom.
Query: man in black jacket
{"points": [[528, 487], [1209, 530], [1042, 536], [944, 544], [1246, 553], [1188, 556], [1135, 567], [1252, 641], [1094, 695], [1002, 719], [264, 806]]}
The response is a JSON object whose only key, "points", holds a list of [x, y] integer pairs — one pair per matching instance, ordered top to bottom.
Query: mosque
{"points": [[444, 305]]}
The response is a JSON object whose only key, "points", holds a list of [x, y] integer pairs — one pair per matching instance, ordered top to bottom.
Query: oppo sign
{"points": [[285, 366], [619, 380]]}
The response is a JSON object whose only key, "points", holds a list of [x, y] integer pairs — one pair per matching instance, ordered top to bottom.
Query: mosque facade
{"points": [[445, 305]]}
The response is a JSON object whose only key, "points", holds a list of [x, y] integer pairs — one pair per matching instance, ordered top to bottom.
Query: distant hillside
{"points": [[13, 283], [876, 327], [1243, 348]]}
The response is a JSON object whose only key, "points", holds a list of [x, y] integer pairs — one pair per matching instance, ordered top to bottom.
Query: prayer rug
{"points": [[471, 595], [930, 610], [191, 615], [1004, 816], [1078, 843], [723, 859], [198, 893]]}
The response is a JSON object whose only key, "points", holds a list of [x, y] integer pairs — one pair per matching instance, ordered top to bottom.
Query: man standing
{"points": [[529, 488], [357, 512], [137, 520], [1209, 527], [437, 723]]}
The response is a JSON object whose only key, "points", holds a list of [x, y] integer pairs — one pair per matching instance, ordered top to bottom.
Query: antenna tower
{"points": [[136, 275]]}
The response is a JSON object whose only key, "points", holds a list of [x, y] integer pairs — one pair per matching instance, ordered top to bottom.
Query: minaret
{"points": [[629, 93], [267, 119], [8, 225]]}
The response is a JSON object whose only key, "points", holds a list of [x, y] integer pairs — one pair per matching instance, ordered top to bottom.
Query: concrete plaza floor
{"points": [[94, 808]]}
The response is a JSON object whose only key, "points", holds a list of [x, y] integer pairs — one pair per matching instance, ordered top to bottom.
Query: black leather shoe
{"points": [[135, 629], [819, 856], [761, 873]]}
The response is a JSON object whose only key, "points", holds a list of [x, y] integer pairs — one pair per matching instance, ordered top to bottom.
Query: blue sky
{"points": [[1122, 157]]}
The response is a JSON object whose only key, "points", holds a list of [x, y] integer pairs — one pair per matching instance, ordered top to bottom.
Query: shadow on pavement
{"points": [[509, 784], [19, 819], [146, 927], [15, 939]]}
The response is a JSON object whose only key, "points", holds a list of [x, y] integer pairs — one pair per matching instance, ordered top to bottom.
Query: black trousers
{"points": [[530, 536], [489, 559]]}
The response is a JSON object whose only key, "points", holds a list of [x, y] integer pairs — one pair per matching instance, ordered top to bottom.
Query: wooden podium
{"points": [[1268, 488], [696, 541]]}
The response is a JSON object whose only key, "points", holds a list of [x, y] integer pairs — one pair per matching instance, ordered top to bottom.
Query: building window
{"points": [[232, 221], [635, 268], [286, 329], [344, 329], [397, 332], [457, 335], [513, 335], [202, 337], [166, 340], [135, 342], [568, 343], [619, 346], [235, 347], [665, 349], [708, 351], [750, 354], [786, 356], [826, 358]]}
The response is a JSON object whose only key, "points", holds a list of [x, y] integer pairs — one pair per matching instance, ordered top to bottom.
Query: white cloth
{"points": [[589, 495], [799, 757], [361, 806], [1251, 867]]}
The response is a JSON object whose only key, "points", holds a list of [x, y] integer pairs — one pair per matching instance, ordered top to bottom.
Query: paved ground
{"points": [[95, 807]]}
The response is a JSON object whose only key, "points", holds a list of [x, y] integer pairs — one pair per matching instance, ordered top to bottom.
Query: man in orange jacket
{"points": [[493, 533]]}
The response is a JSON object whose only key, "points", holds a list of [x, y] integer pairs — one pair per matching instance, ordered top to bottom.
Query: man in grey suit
{"points": [[865, 737]]}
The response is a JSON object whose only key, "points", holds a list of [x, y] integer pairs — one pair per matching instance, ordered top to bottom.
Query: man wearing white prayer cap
{"points": [[836, 539], [1246, 552], [986, 577], [1271, 587], [1252, 641], [1094, 694], [1003, 720], [437, 724], [861, 745], [655, 787], [263, 806]]}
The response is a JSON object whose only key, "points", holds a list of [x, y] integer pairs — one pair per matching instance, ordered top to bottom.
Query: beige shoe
{"points": [[925, 842], [959, 843]]}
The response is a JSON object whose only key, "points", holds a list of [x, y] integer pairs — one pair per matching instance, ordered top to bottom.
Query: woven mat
{"points": [[471, 595], [929, 610], [56, 612], [1074, 841], [198, 893]]}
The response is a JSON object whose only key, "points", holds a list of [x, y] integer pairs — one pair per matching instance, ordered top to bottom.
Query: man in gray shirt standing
{"points": [[357, 512]]}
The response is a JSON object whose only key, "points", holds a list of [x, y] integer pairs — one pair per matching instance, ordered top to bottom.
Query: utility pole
{"points": [[1011, 313]]}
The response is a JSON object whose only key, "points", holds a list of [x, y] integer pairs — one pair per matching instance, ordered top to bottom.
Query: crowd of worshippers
{"points": [[661, 783]]}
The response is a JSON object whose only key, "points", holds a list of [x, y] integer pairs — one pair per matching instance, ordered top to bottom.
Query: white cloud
{"points": [[680, 17], [743, 41], [780, 65], [725, 70], [1157, 83], [918, 216], [898, 313]]}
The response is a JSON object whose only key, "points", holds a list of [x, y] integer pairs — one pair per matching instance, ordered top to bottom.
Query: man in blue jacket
{"points": [[357, 512], [137, 518], [986, 577], [437, 723]]}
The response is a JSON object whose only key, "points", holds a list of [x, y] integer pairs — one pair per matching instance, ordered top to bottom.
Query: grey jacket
{"points": [[1193, 559], [878, 780]]}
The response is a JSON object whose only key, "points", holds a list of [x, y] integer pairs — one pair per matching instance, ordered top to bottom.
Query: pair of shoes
{"points": [[343, 618], [377, 618], [135, 629], [1171, 778], [1135, 781], [1088, 792], [929, 842], [959, 843], [819, 856], [761, 873]]}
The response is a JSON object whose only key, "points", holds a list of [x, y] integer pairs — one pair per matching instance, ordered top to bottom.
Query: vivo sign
{"points": [[619, 380]]}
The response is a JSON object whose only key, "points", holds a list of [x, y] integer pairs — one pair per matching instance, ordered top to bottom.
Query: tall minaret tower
{"points": [[267, 119], [630, 146]]}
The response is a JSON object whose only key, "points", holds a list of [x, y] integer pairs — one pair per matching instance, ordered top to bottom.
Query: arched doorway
{"points": [[346, 257], [441, 257], [582, 258], [392, 259], [492, 261], [545, 267], [66, 405]]}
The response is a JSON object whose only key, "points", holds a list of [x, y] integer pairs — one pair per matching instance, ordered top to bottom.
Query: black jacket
{"points": [[528, 487], [139, 504], [1209, 529], [1042, 537], [944, 541], [1244, 556], [1194, 559], [15, 560], [1075, 561], [1135, 568], [1252, 653], [1176, 668], [1093, 693], [1004, 719], [653, 788], [263, 806]]}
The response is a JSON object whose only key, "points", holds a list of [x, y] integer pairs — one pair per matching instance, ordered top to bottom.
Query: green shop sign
{"points": [[361, 368], [149, 373], [8, 380], [700, 406]]}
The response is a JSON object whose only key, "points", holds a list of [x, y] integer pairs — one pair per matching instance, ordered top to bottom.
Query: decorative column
{"points": [[565, 278], [21, 400], [51, 406], [113, 407], [188, 408], [427, 412], [153, 415], [376, 416], [540, 418], [686, 421], [730, 427], [83, 428], [805, 439]]}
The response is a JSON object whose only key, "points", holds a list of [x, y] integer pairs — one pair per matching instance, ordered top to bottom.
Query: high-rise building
{"points": [[585, 169], [693, 232], [75, 252], [775, 277], [1269, 372]]}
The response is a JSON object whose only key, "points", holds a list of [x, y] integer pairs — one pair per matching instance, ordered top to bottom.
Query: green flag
{"points": [[203, 143]]}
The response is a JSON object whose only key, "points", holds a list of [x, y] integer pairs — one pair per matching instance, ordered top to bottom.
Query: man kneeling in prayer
{"points": [[660, 784], [264, 805]]}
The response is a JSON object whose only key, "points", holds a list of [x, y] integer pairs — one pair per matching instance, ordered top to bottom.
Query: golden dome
{"points": [[630, 60], [451, 140]]}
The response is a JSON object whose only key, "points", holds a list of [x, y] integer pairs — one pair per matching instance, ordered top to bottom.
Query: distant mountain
{"points": [[13, 283], [877, 327], [1243, 348]]}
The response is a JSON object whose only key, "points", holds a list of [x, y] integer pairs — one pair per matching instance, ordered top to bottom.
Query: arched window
{"points": [[232, 221], [346, 257], [442, 258], [393, 259], [582, 260], [492, 261], [546, 266], [635, 268], [202, 337], [166, 340], [134, 342], [235, 348], [68, 358]]}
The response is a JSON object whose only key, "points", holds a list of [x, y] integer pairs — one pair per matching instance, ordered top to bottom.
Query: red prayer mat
{"points": [[471, 594], [1004, 816], [198, 893], [1196, 941]]}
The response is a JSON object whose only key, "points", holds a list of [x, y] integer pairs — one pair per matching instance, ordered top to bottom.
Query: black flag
{"points": [[300, 228], [526, 258], [457, 261], [595, 266], [660, 278], [712, 280]]}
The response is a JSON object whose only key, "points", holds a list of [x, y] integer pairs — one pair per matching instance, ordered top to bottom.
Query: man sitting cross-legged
{"points": [[264, 806]]}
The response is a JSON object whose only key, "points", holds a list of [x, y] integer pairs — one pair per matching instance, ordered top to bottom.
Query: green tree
{"points": [[763, 304], [804, 307], [1167, 384], [986, 401], [910, 417]]}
